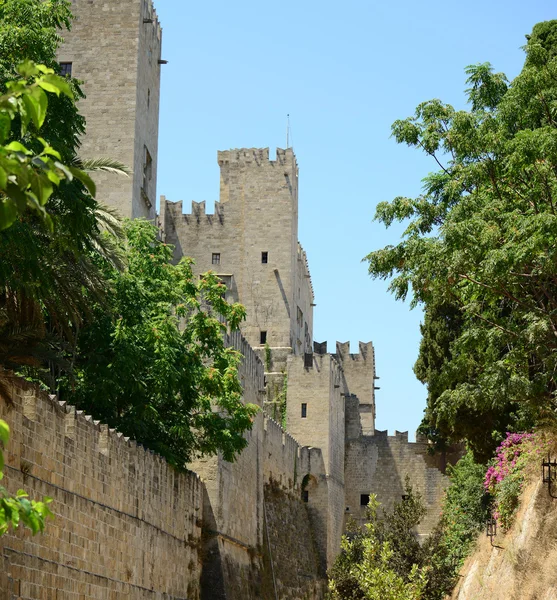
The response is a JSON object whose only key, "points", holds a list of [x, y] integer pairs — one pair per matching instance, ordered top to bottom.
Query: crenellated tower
{"points": [[251, 241]]}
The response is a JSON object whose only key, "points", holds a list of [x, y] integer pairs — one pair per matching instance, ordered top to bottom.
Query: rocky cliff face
{"points": [[521, 564]]}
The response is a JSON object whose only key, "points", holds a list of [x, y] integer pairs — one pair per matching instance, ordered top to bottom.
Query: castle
{"points": [[269, 524]]}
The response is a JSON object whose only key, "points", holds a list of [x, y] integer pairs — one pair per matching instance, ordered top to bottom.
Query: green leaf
{"points": [[27, 69], [56, 85], [36, 104], [5, 126], [18, 147], [47, 149], [85, 180], [42, 187], [8, 212], [4, 432]]}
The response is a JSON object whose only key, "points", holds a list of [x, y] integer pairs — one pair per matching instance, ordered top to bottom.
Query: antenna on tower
{"points": [[288, 131]]}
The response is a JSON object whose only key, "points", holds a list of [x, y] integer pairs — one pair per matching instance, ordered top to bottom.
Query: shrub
{"points": [[505, 476]]}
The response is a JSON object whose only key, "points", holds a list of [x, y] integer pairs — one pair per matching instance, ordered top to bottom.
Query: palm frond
{"points": [[108, 165], [110, 234]]}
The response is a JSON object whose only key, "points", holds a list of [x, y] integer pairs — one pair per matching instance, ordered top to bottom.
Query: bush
{"points": [[506, 473], [465, 510], [374, 563]]}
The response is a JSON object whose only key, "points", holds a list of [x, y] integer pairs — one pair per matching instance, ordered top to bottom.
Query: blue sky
{"points": [[344, 72]]}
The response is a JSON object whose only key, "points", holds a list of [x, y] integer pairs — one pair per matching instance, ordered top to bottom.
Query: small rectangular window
{"points": [[66, 69], [215, 258], [264, 258], [262, 337], [308, 360], [304, 410], [305, 495], [364, 499]]}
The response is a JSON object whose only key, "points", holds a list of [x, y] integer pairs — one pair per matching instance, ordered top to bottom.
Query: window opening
{"points": [[66, 69], [147, 168], [215, 258], [264, 258], [262, 337], [308, 360], [304, 410], [305, 495], [364, 499]]}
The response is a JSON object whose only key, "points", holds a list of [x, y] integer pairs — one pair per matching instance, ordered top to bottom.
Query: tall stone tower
{"points": [[114, 47], [251, 241]]}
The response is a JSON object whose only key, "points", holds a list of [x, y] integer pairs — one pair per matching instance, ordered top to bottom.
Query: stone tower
{"points": [[114, 47], [251, 241]]}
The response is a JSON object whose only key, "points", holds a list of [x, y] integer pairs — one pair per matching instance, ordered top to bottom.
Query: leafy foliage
{"points": [[28, 179], [481, 244], [48, 274], [152, 360], [507, 470], [18, 510], [465, 510], [370, 567], [429, 570]]}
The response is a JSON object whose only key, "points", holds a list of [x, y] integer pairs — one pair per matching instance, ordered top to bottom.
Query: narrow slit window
{"points": [[147, 168], [215, 258], [264, 258], [262, 337], [304, 410], [305, 495]]}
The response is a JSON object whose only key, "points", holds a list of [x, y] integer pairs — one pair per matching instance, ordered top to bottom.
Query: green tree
{"points": [[482, 241], [48, 273], [153, 362], [465, 510], [382, 560]]}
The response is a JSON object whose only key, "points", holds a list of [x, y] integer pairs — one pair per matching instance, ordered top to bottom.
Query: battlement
{"points": [[150, 12], [257, 156], [197, 215], [302, 257], [366, 352], [252, 367]]}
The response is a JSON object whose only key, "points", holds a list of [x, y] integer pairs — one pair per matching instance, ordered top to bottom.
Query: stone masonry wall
{"points": [[115, 53], [359, 373], [320, 388], [379, 464], [233, 503], [126, 525], [236, 559], [291, 562]]}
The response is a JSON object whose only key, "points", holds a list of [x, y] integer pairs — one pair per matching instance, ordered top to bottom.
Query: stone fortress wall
{"points": [[126, 524]]}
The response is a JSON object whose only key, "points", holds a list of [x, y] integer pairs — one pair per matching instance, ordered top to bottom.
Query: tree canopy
{"points": [[479, 251], [152, 361]]}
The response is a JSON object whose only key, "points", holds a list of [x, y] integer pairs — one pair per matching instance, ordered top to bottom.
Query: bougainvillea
{"points": [[505, 476]]}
